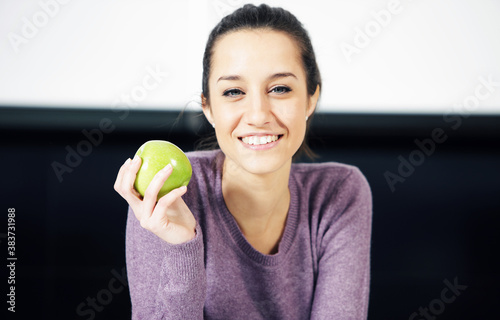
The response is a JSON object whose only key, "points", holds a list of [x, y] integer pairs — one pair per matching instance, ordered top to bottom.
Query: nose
{"points": [[258, 112]]}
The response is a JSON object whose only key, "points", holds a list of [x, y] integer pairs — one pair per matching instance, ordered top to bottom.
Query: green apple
{"points": [[155, 155]]}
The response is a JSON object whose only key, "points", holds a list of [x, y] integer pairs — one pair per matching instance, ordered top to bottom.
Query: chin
{"points": [[263, 165]]}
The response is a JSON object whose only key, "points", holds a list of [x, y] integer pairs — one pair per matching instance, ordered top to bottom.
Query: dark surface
{"points": [[441, 223]]}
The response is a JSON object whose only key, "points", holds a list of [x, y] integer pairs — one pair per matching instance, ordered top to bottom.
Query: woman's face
{"points": [[258, 99]]}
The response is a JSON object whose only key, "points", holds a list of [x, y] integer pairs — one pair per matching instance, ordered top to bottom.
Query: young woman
{"points": [[253, 236]]}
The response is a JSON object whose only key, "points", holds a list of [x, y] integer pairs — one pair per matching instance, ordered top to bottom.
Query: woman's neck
{"points": [[258, 202]]}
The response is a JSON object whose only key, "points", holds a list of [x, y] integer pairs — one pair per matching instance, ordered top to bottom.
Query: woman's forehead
{"points": [[256, 51]]}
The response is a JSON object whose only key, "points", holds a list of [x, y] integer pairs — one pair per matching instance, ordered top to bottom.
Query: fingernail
{"points": [[136, 158], [128, 161], [167, 167]]}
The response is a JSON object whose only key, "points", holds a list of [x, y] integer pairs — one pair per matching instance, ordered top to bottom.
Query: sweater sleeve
{"points": [[343, 279], [166, 281]]}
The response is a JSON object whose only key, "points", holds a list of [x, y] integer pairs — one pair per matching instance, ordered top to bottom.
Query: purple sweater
{"points": [[321, 269]]}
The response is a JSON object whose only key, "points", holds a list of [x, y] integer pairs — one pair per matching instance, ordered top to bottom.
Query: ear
{"points": [[313, 100], [207, 111]]}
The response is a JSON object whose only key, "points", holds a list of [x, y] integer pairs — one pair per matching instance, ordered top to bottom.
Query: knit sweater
{"points": [[321, 269]]}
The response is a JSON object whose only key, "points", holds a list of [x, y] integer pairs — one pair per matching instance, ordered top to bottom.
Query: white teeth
{"points": [[258, 140]]}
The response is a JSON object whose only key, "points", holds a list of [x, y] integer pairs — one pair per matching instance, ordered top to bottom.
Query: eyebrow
{"points": [[271, 77]]}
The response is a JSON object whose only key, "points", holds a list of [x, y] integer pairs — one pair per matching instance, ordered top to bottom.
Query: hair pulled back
{"points": [[265, 17]]}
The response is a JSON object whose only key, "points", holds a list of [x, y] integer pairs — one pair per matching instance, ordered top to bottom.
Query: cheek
{"points": [[293, 115], [225, 120], [300, 130]]}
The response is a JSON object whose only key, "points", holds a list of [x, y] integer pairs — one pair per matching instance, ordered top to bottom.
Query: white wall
{"points": [[424, 56]]}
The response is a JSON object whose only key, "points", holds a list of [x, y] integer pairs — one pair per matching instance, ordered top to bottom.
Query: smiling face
{"points": [[258, 99]]}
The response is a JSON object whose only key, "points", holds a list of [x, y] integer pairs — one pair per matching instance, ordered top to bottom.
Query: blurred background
{"points": [[411, 95]]}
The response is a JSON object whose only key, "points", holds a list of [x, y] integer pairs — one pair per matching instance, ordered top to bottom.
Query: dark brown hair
{"points": [[265, 17]]}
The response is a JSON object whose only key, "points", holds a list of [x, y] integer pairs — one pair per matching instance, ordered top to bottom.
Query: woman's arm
{"points": [[164, 249], [166, 281], [342, 286]]}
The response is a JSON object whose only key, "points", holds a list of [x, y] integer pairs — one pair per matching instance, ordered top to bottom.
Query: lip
{"points": [[259, 134], [266, 146]]}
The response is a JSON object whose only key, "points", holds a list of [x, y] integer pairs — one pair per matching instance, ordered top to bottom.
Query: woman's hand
{"points": [[169, 218]]}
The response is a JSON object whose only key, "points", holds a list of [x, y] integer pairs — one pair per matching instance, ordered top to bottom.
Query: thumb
{"points": [[169, 199]]}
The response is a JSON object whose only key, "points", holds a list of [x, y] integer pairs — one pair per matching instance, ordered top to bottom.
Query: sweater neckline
{"points": [[235, 232]]}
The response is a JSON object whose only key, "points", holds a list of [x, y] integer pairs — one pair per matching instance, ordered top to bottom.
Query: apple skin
{"points": [[155, 155]]}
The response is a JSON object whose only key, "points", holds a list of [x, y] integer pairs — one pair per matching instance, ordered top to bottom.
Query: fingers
{"points": [[130, 174], [119, 177], [124, 183], [151, 194], [168, 199], [151, 213], [159, 218]]}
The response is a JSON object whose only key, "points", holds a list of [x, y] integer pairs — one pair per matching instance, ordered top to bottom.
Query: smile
{"points": [[260, 140]]}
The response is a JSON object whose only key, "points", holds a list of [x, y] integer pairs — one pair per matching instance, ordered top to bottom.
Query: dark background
{"points": [[440, 224]]}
